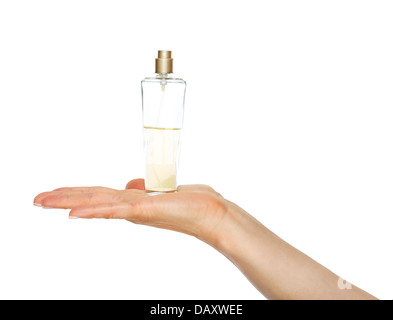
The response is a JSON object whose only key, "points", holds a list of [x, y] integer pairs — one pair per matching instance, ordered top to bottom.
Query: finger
{"points": [[136, 184], [86, 189], [38, 199], [72, 200], [139, 209], [119, 210], [135, 211]]}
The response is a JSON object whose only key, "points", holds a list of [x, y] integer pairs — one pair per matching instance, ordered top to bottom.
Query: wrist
{"points": [[237, 231]]}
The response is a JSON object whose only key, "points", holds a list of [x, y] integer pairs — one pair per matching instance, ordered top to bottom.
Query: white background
{"points": [[288, 114]]}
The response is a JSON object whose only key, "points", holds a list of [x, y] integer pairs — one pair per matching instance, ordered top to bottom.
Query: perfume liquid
{"points": [[161, 150]]}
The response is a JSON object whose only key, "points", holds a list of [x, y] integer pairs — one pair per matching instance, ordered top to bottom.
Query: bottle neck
{"points": [[164, 75]]}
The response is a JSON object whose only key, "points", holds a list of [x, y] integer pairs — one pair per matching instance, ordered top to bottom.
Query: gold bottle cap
{"points": [[164, 62]]}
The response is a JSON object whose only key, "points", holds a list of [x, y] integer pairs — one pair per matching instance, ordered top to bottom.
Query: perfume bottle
{"points": [[162, 107]]}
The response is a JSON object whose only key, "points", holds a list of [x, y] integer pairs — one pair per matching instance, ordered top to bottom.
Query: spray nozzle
{"points": [[164, 62]]}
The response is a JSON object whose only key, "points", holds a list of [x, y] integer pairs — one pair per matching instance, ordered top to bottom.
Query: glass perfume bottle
{"points": [[162, 106]]}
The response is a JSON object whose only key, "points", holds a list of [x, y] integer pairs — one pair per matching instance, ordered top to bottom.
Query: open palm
{"points": [[194, 209]]}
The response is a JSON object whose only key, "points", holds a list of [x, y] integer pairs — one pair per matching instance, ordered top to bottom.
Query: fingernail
{"points": [[37, 204], [73, 217]]}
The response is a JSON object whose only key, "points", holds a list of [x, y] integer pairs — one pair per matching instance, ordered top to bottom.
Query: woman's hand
{"points": [[197, 210], [276, 269]]}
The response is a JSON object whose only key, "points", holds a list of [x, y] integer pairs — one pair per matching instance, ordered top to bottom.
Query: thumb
{"points": [[136, 184]]}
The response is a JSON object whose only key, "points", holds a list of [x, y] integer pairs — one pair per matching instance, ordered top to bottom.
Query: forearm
{"points": [[275, 268]]}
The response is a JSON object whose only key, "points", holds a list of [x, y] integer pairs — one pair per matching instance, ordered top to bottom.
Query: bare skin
{"points": [[275, 268]]}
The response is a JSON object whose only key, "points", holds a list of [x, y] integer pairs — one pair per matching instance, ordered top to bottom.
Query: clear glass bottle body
{"points": [[162, 105]]}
